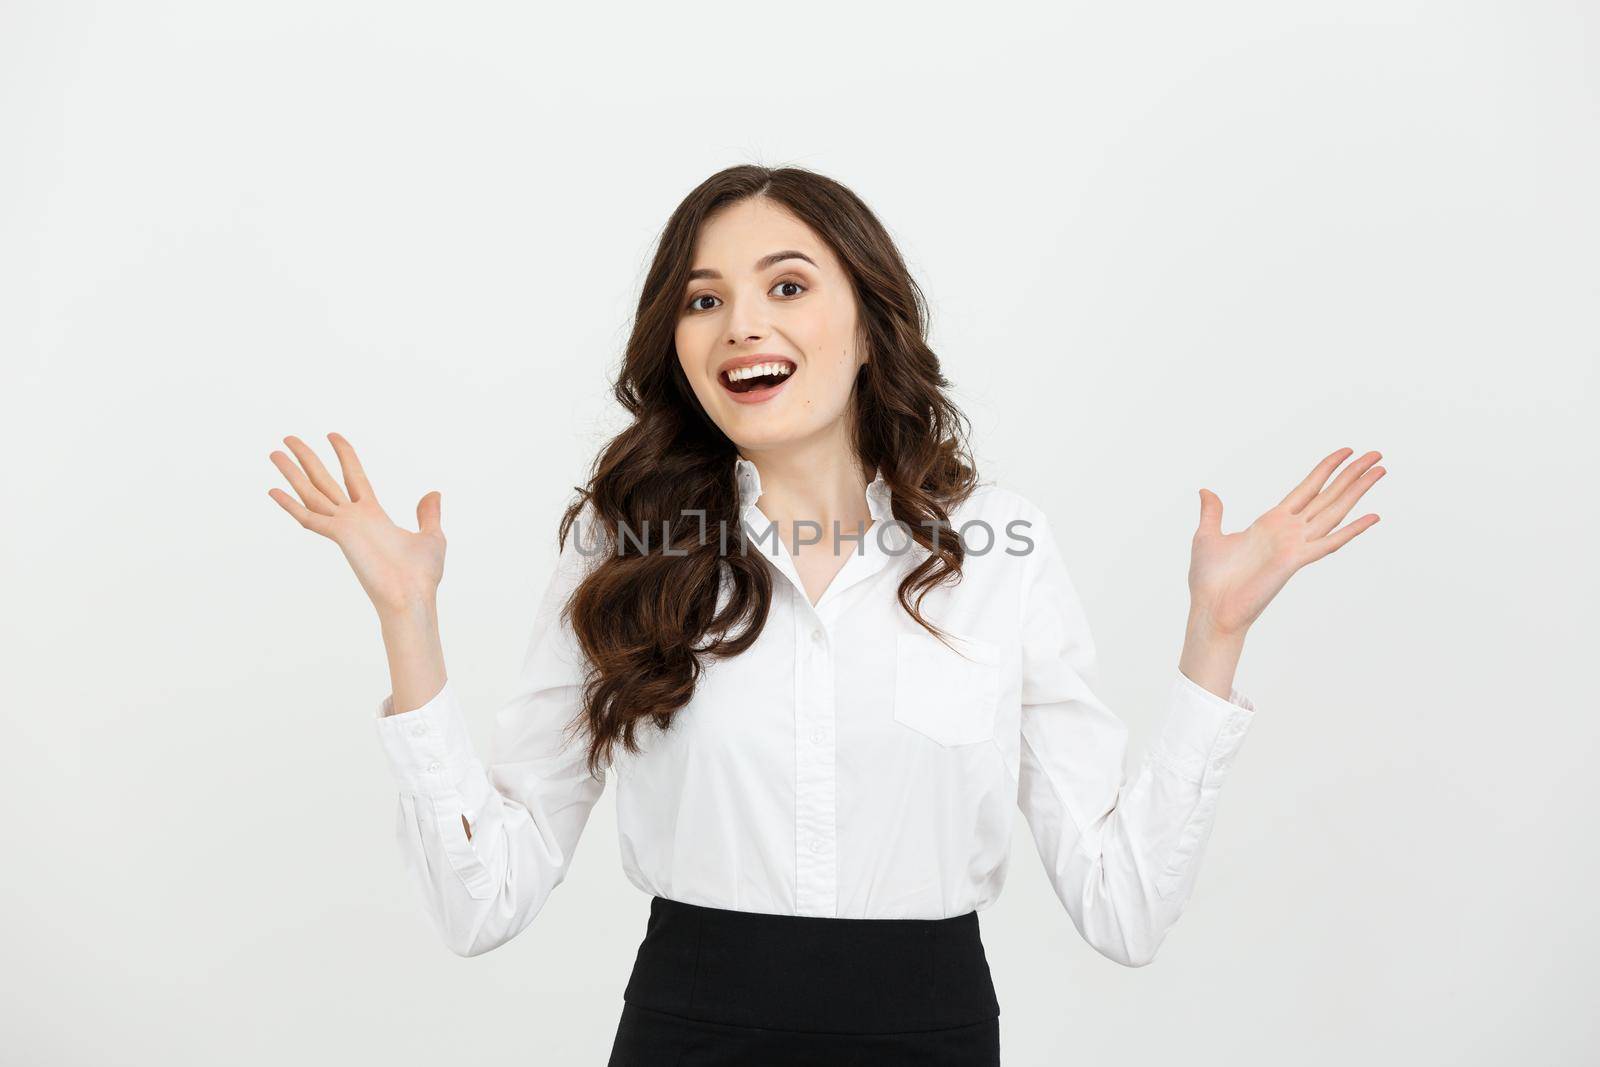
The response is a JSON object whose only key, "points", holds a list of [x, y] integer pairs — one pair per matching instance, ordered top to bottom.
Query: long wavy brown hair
{"points": [[645, 614]]}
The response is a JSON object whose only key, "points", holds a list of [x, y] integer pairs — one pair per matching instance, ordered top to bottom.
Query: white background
{"points": [[1166, 246]]}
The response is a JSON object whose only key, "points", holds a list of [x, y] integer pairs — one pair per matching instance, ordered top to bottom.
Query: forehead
{"points": [[736, 236]]}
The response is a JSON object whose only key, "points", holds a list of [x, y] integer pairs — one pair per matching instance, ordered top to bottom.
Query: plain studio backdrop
{"points": [[1166, 247]]}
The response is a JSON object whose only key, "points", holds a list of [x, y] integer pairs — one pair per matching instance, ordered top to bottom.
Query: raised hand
{"points": [[398, 569], [1233, 577]]}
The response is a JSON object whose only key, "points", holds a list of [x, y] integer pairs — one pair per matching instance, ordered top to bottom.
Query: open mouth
{"points": [[754, 381]]}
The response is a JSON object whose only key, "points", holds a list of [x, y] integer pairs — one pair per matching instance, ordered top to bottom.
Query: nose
{"points": [[743, 326]]}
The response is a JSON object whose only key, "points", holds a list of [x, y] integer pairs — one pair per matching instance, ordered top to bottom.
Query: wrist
{"points": [[409, 612], [1202, 629], [1210, 654]]}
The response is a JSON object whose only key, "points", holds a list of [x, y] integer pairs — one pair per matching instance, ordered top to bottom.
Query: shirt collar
{"points": [[879, 497]]}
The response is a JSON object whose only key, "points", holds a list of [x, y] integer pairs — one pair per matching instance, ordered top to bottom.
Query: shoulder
{"points": [[998, 504], [1004, 528]]}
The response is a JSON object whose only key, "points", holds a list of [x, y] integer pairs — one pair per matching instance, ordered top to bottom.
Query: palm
{"points": [[389, 560], [395, 566], [1233, 577]]}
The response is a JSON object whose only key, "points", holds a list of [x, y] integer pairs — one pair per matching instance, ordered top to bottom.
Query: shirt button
{"points": [[817, 635], [419, 729], [816, 737], [433, 768], [816, 846]]}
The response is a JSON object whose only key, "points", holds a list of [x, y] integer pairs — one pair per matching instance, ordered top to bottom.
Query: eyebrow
{"points": [[761, 264]]}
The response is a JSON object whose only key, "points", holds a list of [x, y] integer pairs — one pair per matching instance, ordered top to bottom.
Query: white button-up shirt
{"points": [[847, 764]]}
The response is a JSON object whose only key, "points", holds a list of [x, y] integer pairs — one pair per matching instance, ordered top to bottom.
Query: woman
{"points": [[823, 663]]}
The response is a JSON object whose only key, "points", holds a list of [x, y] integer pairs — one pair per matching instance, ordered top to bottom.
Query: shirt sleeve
{"points": [[526, 809], [1121, 852]]}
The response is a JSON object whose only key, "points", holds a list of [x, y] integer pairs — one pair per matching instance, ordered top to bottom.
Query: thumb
{"points": [[428, 512], [1210, 512]]}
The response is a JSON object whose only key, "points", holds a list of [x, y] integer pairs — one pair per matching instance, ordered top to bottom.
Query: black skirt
{"points": [[712, 987]]}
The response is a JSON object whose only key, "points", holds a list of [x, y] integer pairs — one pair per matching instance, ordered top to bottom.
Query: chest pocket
{"points": [[947, 696]]}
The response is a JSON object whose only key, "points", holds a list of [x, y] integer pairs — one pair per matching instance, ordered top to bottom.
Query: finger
{"points": [[315, 470], [355, 477], [309, 493], [1332, 493], [1301, 494], [1210, 512], [428, 513], [1333, 514], [309, 519], [1342, 536]]}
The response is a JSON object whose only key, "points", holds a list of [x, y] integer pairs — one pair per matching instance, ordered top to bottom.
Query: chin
{"points": [[756, 433]]}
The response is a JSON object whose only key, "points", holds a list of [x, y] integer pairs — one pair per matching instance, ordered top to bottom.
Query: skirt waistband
{"points": [[812, 973]]}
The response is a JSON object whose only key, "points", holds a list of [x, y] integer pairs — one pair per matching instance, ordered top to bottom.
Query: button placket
{"points": [[816, 876]]}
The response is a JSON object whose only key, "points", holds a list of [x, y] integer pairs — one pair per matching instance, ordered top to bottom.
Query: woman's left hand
{"points": [[1233, 577]]}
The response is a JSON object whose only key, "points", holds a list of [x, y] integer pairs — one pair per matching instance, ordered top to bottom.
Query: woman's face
{"points": [[745, 308]]}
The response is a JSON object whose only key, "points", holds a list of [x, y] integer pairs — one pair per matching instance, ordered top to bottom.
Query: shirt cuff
{"points": [[1203, 732], [429, 748]]}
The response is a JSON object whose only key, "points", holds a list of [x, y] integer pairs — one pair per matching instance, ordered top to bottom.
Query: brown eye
{"points": [[694, 304]]}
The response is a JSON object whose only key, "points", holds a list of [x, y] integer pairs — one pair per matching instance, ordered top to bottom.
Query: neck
{"points": [[818, 482]]}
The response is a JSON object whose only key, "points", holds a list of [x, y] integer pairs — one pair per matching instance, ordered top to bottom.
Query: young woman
{"points": [[822, 662]]}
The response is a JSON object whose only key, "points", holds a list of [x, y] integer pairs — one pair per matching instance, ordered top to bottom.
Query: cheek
{"points": [[830, 340], [684, 342], [832, 374]]}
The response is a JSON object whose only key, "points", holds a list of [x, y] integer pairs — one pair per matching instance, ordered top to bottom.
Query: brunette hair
{"points": [[643, 616]]}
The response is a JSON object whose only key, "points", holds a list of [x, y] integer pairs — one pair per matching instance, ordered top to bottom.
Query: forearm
{"points": [[415, 652], [1210, 657]]}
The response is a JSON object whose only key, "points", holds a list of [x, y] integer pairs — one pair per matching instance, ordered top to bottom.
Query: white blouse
{"points": [[847, 764]]}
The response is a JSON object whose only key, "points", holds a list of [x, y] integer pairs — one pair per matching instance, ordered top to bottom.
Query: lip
{"points": [[759, 395]]}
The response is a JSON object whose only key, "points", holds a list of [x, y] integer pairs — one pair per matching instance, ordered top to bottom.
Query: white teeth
{"points": [[758, 370]]}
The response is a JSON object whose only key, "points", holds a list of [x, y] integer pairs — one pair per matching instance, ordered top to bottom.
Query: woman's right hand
{"points": [[398, 569]]}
